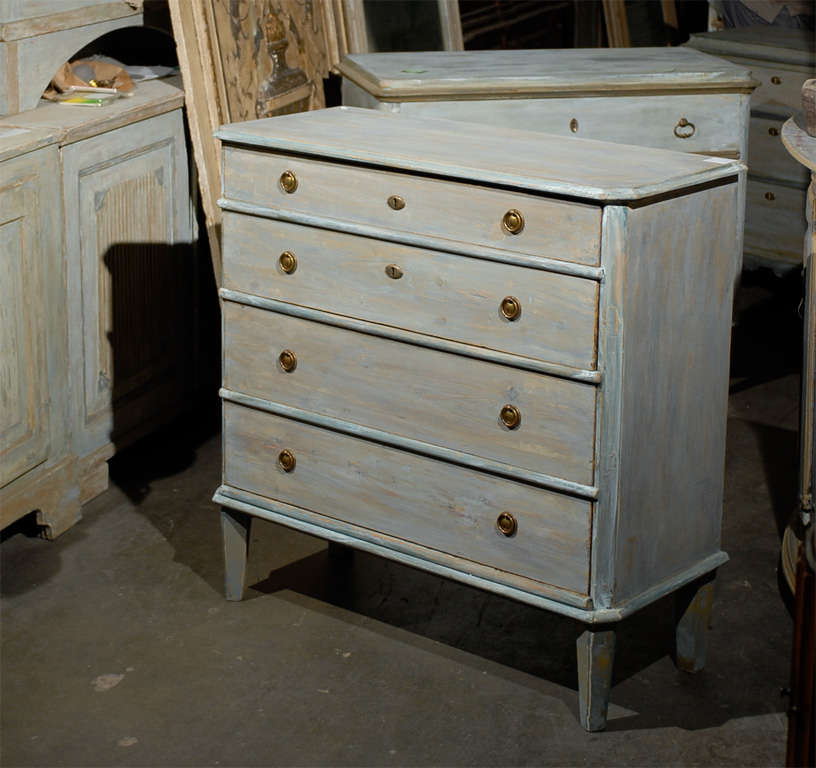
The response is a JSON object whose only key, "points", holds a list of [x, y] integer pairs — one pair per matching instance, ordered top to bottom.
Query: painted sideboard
{"points": [[780, 60], [122, 264], [496, 355]]}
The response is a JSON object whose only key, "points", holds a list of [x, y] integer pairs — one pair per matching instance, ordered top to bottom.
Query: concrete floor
{"points": [[119, 649]]}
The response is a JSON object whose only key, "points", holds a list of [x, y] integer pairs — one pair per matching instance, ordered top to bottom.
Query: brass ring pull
{"points": [[684, 129], [288, 182], [770, 196], [396, 203], [513, 221], [288, 262], [510, 307], [287, 360], [510, 416], [286, 459], [506, 524]]}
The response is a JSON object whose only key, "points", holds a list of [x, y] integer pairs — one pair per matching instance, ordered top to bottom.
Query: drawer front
{"points": [[779, 87], [715, 122], [767, 155], [445, 209], [775, 221], [439, 294], [420, 393], [438, 505]]}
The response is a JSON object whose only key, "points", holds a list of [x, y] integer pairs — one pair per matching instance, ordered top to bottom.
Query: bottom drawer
{"points": [[775, 221], [399, 494]]}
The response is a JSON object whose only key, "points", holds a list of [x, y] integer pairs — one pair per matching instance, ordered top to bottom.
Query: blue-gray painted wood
{"points": [[399, 334], [236, 528], [692, 606], [596, 656]]}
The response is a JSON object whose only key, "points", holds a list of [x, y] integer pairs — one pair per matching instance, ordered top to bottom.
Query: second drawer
{"points": [[434, 293], [423, 394]]}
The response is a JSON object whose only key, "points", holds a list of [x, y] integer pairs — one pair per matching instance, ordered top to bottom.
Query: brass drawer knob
{"points": [[776, 80], [574, 125], [684, 129], [773, 131], [288, 181], [770, 196], [396, 203], [513, 221], [288, 262], [393, 271], [511, 307], [287, 360], [510, 416], [286, 459], [506, 524]]}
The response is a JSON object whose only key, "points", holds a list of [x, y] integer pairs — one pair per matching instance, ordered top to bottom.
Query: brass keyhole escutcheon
{"points": [[776, 80], [574, 125], [684, 129], [773, 131], [288, 181], [770, 196], [396, 203], [513, 221], [288, 262], [393, 271], [511, 307], [287, 360], [510, 416], [286, 459], [506, 524]]}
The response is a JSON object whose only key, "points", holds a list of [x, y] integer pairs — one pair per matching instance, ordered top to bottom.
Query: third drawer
{"points": [[420, 393]]}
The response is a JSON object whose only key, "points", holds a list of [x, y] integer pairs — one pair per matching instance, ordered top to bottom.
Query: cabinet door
{"points": [[28, 246], [130, 276]]}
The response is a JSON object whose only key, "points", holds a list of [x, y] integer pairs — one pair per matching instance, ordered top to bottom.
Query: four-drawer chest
{"points": [[498, 356]]}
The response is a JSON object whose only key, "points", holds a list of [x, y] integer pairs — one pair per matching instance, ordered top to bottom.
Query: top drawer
{"points": [[779, 88], [446, 209]]}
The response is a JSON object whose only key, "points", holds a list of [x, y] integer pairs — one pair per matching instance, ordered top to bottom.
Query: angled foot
{"points": [[235, 527], [692, 610], [596, 655]]}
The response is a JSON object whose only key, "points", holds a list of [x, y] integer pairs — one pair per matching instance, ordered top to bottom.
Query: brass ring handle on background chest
{"points": [[684, 129], [288, 181], [513, 221], [288, 262], [510, 307], [287, 360], [510, 416], [286, 460], [506, 524]]}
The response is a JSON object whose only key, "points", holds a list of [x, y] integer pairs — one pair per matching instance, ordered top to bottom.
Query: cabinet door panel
{"points": [[128, 262], [23, 361]]}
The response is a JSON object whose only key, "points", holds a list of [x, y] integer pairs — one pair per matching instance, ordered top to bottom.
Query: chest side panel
{"points": [[676, 323]]}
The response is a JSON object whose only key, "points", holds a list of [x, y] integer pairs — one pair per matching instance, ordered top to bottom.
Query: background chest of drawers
{"points": [[780, 60], [496, 355]]}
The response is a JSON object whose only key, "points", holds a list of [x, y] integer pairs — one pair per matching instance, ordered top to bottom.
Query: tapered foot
{"points": [[235, 527], [692, 608], [596, 655]]}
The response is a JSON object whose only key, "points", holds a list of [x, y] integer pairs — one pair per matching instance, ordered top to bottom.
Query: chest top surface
{"points": [[763, 42], [505, 74], [579, 168]]}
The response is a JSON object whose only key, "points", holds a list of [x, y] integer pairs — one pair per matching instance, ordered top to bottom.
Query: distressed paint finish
{"points": [[774, 220], [552, 228], [439, 294], [383, 411], [411, 497], [235, 528], [692, 617], [596, 655]]}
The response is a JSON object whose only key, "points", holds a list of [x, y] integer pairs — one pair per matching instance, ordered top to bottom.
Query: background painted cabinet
{"points": [[99, 289], [37, 470]]}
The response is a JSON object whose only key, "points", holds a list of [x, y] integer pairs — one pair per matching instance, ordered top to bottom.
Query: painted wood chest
{"points": [[780, 60], [495, 355]]}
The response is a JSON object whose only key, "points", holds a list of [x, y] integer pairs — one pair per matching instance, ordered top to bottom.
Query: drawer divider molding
{"points": [[421, 241], [410, 337], [416, 446], [469, 572]]}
